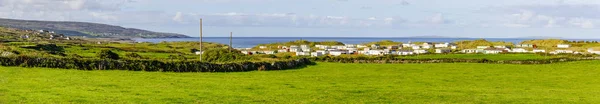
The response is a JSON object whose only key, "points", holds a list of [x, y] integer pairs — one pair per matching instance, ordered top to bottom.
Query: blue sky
{"points": [[328, 18]]}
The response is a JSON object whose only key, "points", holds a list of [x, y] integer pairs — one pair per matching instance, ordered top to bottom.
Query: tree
{"points": [[107, 54]]}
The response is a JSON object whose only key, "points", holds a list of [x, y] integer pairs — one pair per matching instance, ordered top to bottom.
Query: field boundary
{"points": [[151, 65]]}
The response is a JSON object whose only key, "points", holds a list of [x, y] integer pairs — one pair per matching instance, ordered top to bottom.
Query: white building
{"points": [[442, 45], [361, 46], [375, 46], [524, 46], [563, 46], [304, 47], [416, 47], [443, 50], [493, 50], [519, 50], [322, 51], [420, 51], [470, 51], [538, 51], [561, 51], [593, 51], [375, 52], [405, 52], [338, 53], [316, 54]]}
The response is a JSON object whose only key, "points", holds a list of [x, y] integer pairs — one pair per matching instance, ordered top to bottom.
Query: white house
{"points": [[427, 45], [442, 45], [304, 46], [350, 46], [361, 46], [375, 46], [524, 46], [563, 46], [416, 47], [453, 47], [295, 50], [443, 50], [494, 50], [519, 50], [322, 51], [420, 51], [470, 51], [538, 51], [561, 51], [593, 51], [375, 52], [405, 52], [337, 53], [316, 54]]}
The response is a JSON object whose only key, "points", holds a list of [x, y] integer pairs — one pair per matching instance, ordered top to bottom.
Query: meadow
{"points": [[484, 56], [571, 82]]}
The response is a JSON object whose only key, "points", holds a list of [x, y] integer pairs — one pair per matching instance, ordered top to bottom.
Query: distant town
{"points": [[409, 49]]}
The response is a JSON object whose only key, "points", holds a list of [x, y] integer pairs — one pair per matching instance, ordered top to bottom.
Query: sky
{"points": [[579, 19]]}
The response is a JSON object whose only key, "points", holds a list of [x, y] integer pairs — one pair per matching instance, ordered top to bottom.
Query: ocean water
{"points": [[246, 42]]}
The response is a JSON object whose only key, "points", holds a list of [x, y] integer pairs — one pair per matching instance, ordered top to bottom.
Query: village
{"points": [[409, 49]]}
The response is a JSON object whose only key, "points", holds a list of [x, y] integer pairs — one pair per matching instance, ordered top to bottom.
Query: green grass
{"points": [[482, 56], [573, 82]]}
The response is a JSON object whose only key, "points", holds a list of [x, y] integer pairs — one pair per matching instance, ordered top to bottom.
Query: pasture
{"points": [[572, 82]]}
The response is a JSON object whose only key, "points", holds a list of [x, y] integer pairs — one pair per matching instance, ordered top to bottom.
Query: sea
{"points": [[247, 42]]}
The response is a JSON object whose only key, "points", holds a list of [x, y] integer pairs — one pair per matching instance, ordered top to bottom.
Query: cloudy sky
{"points": [[328, 18]]}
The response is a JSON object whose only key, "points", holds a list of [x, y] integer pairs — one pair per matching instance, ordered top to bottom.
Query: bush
{"points": [[107, 54], [134, 55], [223, 55]]}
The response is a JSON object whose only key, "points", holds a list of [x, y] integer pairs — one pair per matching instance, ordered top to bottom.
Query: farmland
{"points": [[484, 56], [572, 82]]}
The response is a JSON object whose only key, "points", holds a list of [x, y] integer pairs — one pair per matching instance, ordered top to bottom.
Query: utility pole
{"points": [[201, 39], [230, 41]]}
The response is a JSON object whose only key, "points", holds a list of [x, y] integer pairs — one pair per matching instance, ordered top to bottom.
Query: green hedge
{"points": [[442, 60], [150, 65]]}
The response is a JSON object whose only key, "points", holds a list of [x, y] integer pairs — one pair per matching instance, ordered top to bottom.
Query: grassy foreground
{"points": [[574, 82]]}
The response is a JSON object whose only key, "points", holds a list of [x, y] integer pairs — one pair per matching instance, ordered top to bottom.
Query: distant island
{"points": [[92, 30]]}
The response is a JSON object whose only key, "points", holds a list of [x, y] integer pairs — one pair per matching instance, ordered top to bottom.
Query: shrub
{"points": [[107, 54], [134, 55], [222, 55]]}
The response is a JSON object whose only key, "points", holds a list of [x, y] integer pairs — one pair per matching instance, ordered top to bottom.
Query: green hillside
{"points": [[86, 29]]}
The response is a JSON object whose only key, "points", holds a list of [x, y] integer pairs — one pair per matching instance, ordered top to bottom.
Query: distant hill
{"points": [[93, 30], [433, 36]]}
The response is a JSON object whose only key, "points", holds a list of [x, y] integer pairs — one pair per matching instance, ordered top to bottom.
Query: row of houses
{"points": [[406, 49]]}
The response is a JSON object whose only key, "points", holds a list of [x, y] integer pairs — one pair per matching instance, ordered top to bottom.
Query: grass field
{"points": [[482, 56], [573, 82]]}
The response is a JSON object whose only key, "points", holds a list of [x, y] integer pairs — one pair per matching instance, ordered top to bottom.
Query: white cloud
{"points": [[178, 17]]}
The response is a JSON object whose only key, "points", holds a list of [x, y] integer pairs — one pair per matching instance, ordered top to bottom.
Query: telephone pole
{"points": [[201, 39], [230, 41]]}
